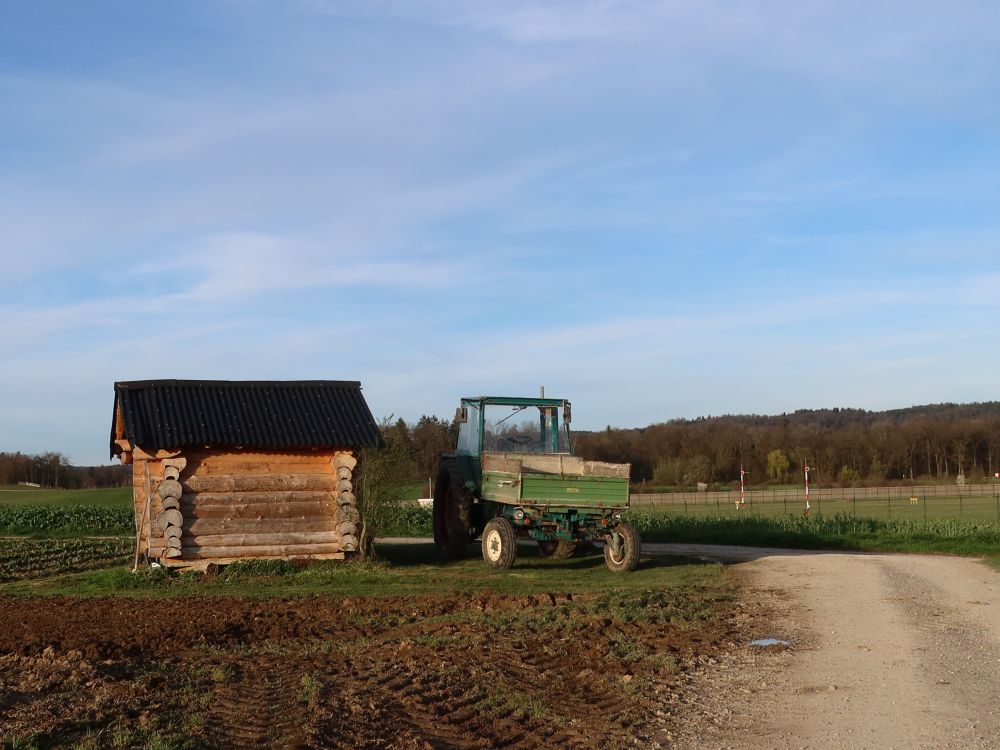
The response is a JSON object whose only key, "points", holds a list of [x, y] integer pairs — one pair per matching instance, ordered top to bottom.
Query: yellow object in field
{"points": [[914, 501]]}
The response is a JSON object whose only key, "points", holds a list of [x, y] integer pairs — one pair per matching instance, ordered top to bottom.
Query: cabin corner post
{"points": [[347, 515], [170, 519]]}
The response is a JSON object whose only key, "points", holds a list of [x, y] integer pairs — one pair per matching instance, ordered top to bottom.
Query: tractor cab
{"points": [[500, 424]]}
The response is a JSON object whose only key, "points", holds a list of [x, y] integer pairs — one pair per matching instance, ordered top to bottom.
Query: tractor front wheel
{"points": [[499, 543], [622, 548]]}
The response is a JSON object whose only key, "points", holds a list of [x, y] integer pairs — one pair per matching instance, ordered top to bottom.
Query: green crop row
{"points": [[45, 520], [31, 558]]}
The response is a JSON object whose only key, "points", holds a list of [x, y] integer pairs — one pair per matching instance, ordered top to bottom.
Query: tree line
{"points": [[936, 442], [841, 446], [54, 470]]}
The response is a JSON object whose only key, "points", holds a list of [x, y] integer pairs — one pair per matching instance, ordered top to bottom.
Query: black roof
{"points": [[268, 415]]}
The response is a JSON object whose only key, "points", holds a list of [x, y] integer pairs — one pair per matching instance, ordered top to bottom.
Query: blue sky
{"points": [[657, 210]]}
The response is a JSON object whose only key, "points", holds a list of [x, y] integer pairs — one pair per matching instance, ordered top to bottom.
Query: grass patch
{"points": [[111, 497], [841, 532], [401, 570]]}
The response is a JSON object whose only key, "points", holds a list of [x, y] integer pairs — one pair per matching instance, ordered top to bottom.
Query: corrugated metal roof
{"points": [[270, 415]]}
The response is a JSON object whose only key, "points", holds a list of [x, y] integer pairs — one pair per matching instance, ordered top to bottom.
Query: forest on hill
{"points": [[935, 442], [840, 446]]}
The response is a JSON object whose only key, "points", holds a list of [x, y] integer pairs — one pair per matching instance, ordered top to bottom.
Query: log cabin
{"points": [[232, 470]]}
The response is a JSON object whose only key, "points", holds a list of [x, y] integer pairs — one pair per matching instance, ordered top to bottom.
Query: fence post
{"points": [[888, 498], [784, 499], [924, 501], [854, 502], [960, 502]]}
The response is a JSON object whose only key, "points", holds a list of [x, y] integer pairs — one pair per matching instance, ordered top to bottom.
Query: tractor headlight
{"points": [[519, 514], [617, 516]]}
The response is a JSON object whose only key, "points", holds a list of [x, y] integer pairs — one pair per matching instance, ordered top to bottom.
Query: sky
{"points": [[654, 209]]}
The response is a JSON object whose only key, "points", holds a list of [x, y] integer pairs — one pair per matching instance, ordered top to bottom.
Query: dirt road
{"points": [[888, 651]]}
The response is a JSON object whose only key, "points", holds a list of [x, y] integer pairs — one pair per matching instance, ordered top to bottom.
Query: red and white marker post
{"points": [[807, 488], [743, 495]]}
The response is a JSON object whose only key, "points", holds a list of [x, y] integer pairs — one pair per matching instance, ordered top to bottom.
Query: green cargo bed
{"points": [[558, 480]]}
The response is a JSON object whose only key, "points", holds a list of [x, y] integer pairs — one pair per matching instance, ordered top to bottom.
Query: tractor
{"points": [[513, 476]]}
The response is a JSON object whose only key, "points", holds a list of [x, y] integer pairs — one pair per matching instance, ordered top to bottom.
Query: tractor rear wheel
{"points": [[452, 513], [499, 543], [557, 549], [622, 557]]}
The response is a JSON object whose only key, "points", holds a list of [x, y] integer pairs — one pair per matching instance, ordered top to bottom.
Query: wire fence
{"points": [[974, 501]]}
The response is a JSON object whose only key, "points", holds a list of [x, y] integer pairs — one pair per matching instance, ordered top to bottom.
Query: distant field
{"points": [[113, 497], [969, 508]]}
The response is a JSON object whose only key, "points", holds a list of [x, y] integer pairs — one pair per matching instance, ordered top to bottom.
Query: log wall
{"points": [[225, 505]]}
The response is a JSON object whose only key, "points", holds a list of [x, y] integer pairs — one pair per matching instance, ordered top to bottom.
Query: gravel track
{"points": [[888, 651]]}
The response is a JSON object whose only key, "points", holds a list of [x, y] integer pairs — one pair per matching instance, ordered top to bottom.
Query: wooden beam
{"points": [[158, 456], [344, 458], [260, 482], [169, 488], [274, 497], [257, 510], [171, 517], [209, 526], [261, 540], [287, 550], [204, 562]]}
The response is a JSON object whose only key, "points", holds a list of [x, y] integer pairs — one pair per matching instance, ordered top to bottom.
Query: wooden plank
{"points": [[140, 453], [256, 462], [260, 482], [195, 499], [258, 510], [206, 526], [261, 540], [287, 550]]}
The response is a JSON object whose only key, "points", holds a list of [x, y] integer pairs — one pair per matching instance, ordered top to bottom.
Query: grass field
{"points": [[106, 498], [970, 508], [966, 525], [841, 532], [403, 569]]}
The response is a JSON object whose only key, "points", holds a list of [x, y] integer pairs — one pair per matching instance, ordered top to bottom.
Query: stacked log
{"points": [[229, 505], [347, 515], [170, 519]]}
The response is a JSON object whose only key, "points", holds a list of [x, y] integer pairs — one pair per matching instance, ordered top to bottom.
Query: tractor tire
{"points": [[452, 513], [499, 543], [557, 549], [627, 557]]}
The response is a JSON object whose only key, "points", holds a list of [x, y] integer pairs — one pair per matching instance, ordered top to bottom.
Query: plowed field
{"points": [[450, 670]]}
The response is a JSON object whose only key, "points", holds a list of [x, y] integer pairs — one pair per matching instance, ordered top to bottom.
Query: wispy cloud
{"points": [[712, 205]]}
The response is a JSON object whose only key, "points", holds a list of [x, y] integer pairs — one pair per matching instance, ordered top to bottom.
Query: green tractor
{"points": [[514, 476]]}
